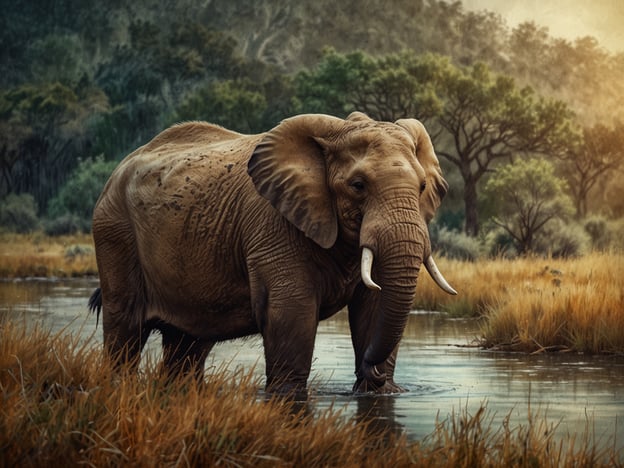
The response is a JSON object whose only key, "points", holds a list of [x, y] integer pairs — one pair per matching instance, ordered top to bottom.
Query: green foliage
{"points": [[79, 78], [327, 88], [386, 88], [233, 104], [486, 118], [45, 127], [598, 154], [529, 197], [76, 199], [18, 213], [66, 224], [604, 234], [561, 239], [455, 244]]}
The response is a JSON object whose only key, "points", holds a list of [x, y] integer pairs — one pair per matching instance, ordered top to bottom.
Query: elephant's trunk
{"points": [[399, 250]]}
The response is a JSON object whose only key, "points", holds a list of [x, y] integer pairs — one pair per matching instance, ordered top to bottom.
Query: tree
{"points": [[327, 87], [386, 88], [232, 104], [485, 118], [47, 127], [598, 154], [82, 189], [527, 196], [18, 213]]}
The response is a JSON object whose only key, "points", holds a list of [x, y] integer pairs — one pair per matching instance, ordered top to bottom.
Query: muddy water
{"points": [[443, 373]]}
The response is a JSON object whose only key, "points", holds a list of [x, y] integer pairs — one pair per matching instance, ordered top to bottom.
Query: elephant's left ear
{"points": [[288, 168], [436, 186]]}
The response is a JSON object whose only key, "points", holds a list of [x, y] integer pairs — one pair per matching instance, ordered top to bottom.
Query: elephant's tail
{"points": [[95, 304]]}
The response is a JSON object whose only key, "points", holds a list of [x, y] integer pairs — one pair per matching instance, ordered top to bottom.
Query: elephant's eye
{"points": [[358, 185], [423, 186]]}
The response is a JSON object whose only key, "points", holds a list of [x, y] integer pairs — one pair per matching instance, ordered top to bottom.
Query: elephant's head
{"points": [[373, 185]]}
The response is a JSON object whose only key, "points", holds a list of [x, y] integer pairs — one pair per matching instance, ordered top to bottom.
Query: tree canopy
{"points": [[80, 78], [529, 196]]}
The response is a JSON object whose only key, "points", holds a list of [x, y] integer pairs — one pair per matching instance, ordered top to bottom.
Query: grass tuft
{"points": [[536, 304]]}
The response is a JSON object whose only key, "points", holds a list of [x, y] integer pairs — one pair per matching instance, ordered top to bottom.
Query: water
{"points": [[437, 363]]}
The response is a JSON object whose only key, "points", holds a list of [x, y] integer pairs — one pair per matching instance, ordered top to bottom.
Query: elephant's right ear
{"points": [[288, 168]]}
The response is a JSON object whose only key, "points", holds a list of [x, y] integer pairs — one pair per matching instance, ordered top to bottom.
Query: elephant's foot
{"points": [[374, 379], [388, 387], [287, 391]]}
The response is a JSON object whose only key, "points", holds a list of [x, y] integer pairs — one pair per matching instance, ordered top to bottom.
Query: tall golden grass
{"points": [[38, 255], [536, 304], [61, 403]]}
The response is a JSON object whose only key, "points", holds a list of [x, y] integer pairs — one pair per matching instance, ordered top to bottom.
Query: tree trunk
{"points": [[471, 225]]}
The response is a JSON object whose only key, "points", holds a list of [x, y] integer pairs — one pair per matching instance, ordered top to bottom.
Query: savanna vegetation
{"points": [[529, 129], [63, 404]]}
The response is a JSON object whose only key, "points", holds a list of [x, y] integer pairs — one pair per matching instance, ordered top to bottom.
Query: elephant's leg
{"points": [[123, 293], [288, 336], [124, 341], [183, 353], [391, 386]]}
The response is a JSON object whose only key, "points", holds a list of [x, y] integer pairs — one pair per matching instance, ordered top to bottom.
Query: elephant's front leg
{"points": [[362, 310], [288, 331]]}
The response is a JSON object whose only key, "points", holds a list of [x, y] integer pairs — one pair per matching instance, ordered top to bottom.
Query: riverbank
{"points": [[38, 255], [529, 304], [538, 305], [62, 404]]}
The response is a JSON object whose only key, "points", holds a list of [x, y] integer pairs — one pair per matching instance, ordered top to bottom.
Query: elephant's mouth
{"points": [[430, 265]]}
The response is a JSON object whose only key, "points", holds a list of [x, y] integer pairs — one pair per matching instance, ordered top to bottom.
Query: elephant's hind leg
{"points": [[123, 294], [124, 343], [183, 353]]}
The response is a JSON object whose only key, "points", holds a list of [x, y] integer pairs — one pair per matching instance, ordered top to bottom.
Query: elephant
{"points": [[206, 234]]}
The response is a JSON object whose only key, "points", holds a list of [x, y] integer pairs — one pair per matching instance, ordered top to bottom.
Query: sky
{"points": [[569, 19]]}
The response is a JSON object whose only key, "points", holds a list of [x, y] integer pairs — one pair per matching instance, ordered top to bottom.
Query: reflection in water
{"points": [[442, 376], [379, 414]]}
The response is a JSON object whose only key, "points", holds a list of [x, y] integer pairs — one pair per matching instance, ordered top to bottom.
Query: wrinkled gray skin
{"points": [[208, 235]]}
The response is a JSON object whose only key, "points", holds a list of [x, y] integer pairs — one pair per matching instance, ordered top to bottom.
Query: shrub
{"points": [[529, 198], [73, 206], [18, 213], [66, 224], [604, 234], [562, 240], [498, 243], [455, 245]]}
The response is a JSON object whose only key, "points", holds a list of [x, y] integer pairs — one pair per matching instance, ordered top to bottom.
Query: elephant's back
{"points": [[181, 196]]}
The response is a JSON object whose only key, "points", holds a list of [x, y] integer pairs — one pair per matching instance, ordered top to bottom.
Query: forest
{"points": [[529, 128]]}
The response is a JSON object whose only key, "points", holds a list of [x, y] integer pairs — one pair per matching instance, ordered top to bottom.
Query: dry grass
{"points": [[38, 255], [538, 305], [62, 404]]}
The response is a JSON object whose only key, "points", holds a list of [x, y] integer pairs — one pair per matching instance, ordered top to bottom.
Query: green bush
{"points": [[73, 206], [18, 213], [66, 224], [605, 234], [562, 240], [498, 243], [455, 244]]}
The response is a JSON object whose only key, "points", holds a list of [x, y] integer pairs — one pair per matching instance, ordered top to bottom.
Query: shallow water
{"points": [[443, 373]]}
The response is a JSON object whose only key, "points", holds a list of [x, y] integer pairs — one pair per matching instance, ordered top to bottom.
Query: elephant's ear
{"points": [[288, 168], [436, 186]]}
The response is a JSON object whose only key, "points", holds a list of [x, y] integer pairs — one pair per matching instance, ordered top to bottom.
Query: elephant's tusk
{"points": [[367, 266], [432, 268]]}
